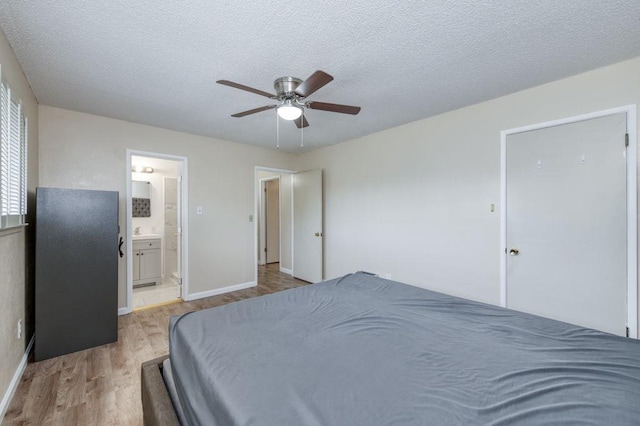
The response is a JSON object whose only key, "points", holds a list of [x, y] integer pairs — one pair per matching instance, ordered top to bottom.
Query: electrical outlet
{"points": [[20, 328]]}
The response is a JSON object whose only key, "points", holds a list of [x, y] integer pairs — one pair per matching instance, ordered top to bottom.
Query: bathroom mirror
{"points": [[141, 198]]}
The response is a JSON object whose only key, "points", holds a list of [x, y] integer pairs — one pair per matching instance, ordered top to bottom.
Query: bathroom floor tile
{"points": [[165, 291]]}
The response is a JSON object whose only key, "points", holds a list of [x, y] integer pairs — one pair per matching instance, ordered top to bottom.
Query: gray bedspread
{"points": [[361, 350]]}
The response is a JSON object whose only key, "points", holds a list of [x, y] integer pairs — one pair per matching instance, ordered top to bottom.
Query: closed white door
{"points": [[272, 219], [566, 223], [307, 226], [179, 232]]}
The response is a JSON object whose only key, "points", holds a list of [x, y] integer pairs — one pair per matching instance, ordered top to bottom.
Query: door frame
{"points": [[256, 202], [632, 208], [184, 210], [263, 216]]}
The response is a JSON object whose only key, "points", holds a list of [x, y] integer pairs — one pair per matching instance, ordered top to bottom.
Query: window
{"points": [[13, 160]]}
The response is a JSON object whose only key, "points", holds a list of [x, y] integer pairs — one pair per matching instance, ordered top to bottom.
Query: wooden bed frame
{"points": [[157, 408]]}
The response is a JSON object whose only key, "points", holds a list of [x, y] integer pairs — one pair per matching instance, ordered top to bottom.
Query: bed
{"points": [[361, 350]]}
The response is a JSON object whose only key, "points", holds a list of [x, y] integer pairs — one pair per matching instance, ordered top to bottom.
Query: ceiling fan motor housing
{"points": [[285, 87]]}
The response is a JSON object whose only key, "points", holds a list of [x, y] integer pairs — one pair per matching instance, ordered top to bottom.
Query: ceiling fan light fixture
{"points": [[289, 111]]}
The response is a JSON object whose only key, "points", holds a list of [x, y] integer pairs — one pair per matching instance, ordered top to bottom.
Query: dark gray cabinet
{"points": [[76, 302]]}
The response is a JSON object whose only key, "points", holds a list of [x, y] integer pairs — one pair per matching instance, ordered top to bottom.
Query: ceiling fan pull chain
{"points": [[302, 129], [277, 131]]}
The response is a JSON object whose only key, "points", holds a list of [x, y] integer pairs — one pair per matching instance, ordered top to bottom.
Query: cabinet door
{"points": [[150, 264], [136, 265]]}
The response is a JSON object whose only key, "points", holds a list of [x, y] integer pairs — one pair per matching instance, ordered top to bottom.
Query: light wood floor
{"points": [[101, 386]]}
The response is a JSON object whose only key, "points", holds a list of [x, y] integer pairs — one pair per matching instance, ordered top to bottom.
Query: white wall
{"points": [[85, 151], [413, 201], [16, 247]]}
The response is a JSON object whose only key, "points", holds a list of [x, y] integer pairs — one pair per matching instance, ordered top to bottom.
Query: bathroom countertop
{"points": [[146, 236]]}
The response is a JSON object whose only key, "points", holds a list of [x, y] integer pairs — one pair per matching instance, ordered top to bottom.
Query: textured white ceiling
{"points": [[156, 61]]}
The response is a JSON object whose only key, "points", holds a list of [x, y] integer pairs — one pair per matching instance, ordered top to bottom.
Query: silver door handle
{"points": [[514, 252]]}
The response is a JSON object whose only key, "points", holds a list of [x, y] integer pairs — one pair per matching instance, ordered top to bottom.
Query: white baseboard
{"points": [[286, 271], [217, 291], [124, 311], [15, 381]]}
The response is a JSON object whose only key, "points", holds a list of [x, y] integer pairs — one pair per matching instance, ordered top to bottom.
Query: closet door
{"points": [[567, 224]]}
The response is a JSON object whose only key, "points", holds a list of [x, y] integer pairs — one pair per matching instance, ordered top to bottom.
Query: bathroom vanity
{"points": [[147, 260]]}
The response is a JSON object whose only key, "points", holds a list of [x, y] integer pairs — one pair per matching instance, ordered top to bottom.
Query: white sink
{"points": [[145, 236]]}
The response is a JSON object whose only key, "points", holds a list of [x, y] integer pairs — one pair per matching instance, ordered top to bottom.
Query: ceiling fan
{"points": [[290, 93]]}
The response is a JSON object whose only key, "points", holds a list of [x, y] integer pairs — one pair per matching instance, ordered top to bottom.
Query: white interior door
{"points": [[272, 220], [566, 224], [307, 226], [179, 234]]}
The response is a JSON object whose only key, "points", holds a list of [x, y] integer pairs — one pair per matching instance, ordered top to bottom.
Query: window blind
{"points": [[4, 151], [13, 159], [23, 164]]}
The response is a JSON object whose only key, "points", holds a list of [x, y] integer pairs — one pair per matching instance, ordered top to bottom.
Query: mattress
{"points": [[361, 350], [167, 376]]}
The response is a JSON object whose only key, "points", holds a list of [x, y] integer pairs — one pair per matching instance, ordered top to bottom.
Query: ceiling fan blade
{"points": [[317, 80], [247, 88], [344, 109], [253, 111], [300, 121]]}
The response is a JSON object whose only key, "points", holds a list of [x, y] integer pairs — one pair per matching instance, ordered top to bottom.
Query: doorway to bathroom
{"points": [[156, 229]]}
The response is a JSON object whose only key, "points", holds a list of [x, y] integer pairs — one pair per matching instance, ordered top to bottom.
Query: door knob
{"points": [[318, 234], [514, 252]]}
